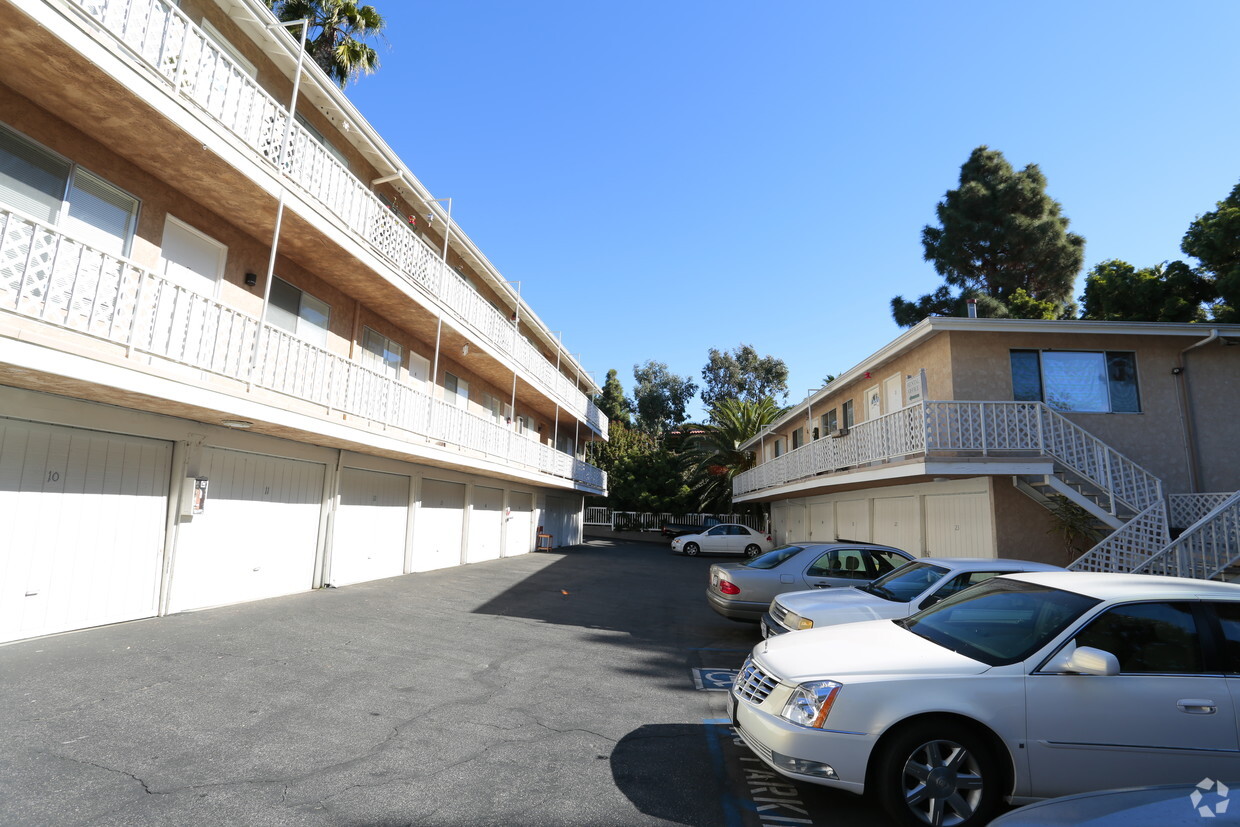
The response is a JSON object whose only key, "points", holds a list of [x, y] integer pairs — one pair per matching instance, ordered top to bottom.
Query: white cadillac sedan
{"points": [[915, 585], [1026, 686]]}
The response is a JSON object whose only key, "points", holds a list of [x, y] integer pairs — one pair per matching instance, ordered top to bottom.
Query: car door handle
{"points": [[822, 585], [1197, 706]]}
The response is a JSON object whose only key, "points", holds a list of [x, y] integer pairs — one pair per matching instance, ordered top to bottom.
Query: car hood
{"points": [[828, 607], [877, 647]]}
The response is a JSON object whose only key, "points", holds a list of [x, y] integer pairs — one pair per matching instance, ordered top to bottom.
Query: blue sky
{"points": [[667, 177]]}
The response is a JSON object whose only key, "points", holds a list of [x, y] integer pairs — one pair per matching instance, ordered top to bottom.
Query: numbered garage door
{"points": [[82, 516], [822, 522], [520, 523], [896, 523], [486, 524], [959, 525], [439, 528], [257, 535], [369, 537]]}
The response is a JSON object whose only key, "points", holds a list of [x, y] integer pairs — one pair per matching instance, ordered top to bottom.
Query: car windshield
{"points": [[773, 557], [906, 582], [1000, 621]]}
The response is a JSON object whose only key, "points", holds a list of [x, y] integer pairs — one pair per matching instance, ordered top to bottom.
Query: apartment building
{"points": [[242, 353], [962, 436]]}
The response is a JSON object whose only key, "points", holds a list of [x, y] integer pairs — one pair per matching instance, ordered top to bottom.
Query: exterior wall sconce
{"points": [[251, 279], [464, 350], [237, 424]]}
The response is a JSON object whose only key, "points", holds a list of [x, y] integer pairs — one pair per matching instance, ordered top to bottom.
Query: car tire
{"points": [[692, 549], [753, 550], [934, 774]]}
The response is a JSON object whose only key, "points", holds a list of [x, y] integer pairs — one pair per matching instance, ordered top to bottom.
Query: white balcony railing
{"points": [[195, 67], [48, 276], [961, 429]]}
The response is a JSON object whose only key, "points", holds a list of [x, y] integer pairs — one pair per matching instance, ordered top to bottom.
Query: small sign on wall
{"points": [[915, 387], [200, 495]]}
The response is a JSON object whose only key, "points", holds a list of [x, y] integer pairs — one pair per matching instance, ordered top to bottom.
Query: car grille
{"points": [[778, 612], [753, 684]]}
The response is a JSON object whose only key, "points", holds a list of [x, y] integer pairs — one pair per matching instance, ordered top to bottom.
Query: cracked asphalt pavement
{"points": [[548, 689]]}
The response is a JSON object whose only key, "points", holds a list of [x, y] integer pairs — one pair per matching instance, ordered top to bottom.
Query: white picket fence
{"points": [[651, 521]]}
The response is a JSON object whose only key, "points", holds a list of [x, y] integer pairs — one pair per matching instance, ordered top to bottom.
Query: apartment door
{"points": [[893, 393], [83, 516], [369, 538]]}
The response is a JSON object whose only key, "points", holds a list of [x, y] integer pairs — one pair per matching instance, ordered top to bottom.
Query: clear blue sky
{"points": [[665, 177]]}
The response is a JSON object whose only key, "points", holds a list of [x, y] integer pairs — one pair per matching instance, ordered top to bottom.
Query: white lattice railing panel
{"points": [[195, 66], [44, 275], [1187, 509], [1129, 546], [1206, 549]]}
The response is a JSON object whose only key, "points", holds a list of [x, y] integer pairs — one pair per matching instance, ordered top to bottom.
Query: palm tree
{"points": [[335, 28], [714, 455]]}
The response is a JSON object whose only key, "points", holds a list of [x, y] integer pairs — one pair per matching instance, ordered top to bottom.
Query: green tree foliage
{"points": [[337, 31], [999, 232], [1214, 240], [1115, 291], [743, 374], [660, 397], [612, 401], [713, 455], [641, 474]]}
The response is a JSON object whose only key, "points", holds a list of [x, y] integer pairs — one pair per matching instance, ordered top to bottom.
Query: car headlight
{"points": [[796, 623], [810, 703]]}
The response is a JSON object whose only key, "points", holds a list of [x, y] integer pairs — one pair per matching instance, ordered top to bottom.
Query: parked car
{"points": [[674, 530], [725, 538], [914, 586], [743, 591], [1026, 686], [1170, 805]]}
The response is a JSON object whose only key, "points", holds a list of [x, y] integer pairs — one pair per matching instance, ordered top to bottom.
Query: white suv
{"points": [[1026, 686]]}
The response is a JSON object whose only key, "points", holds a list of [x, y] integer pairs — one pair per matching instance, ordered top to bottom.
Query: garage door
{"points": [[83, 516], [562, 520], [852, 520], [822, 522], [520, 523], [896, 523], [486, 524], [959, 525], [439, 528], [257, 534], [369, 536]]}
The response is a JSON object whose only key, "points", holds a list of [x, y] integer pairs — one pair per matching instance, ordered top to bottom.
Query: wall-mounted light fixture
{"points": [[251, 279], [464, 350], [237, 424]]}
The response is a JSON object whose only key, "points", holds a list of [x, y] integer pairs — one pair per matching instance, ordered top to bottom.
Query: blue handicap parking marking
{"points": [[714, 680]]}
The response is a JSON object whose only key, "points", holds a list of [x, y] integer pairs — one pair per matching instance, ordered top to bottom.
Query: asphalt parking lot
{"points": [[578, 687]]}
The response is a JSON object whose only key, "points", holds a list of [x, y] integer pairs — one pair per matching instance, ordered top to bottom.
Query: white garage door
{"points": [[82, 516], [562, 520], [852, 520], [822, 522], [520, 523], [896, 523], [486, 524], [796, 525], [959, 525], [438, 530], [257, 535], [369, 537]]}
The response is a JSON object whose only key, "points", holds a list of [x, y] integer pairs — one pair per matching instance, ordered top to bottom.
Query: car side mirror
{"points": [[1084, 660]]}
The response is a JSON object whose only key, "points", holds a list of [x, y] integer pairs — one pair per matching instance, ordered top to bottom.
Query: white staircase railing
{"points": [[160, 35], [58, 280], [1130, 545], [1205, 550]]}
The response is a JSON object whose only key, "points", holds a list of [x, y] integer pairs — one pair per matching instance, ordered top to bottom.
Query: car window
{"points": [[739, 529], [717, 531], [773, 557], [882, 560], [848, 563], [906, 582], [958, 584], [1229, 618], [1147, 637]]}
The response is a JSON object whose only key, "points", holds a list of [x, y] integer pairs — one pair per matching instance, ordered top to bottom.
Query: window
{"points": [[227, 48], [326, 144], [40, 183], [192, 259], [298, 312], [381, 353], [1098, 382], [457, 390], [499, 409], [848, 414], [830, 421], [526, 427], [798, 438], [779, 447], [848, 563], [959, 583], [1229, 619], [1147, 637]]}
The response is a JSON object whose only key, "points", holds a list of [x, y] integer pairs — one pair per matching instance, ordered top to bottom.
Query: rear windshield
{"points": [[773, 557]]}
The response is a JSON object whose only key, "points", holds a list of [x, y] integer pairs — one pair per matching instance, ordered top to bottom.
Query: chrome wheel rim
{"points": [[942, 783]]}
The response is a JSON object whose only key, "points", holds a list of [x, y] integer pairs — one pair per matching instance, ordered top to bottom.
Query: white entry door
{"points": [[82, 516], [486, 524], [439, 528], [257, 535], [369, 537], [520, 538]]}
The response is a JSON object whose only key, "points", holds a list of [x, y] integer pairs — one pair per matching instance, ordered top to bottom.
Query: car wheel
{"points": [[692, 549], [753, 550], [929, 775]]}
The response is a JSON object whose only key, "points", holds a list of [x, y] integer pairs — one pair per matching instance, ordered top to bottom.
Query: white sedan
{"points": [[726, 538], [916, 585], [1026, 686]]}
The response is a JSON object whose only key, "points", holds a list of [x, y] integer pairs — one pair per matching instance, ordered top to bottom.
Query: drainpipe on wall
{"points": [[1186, 415]]}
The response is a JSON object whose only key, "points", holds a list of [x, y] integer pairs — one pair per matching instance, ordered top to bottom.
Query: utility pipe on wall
{"points": [[1186, 414]]}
